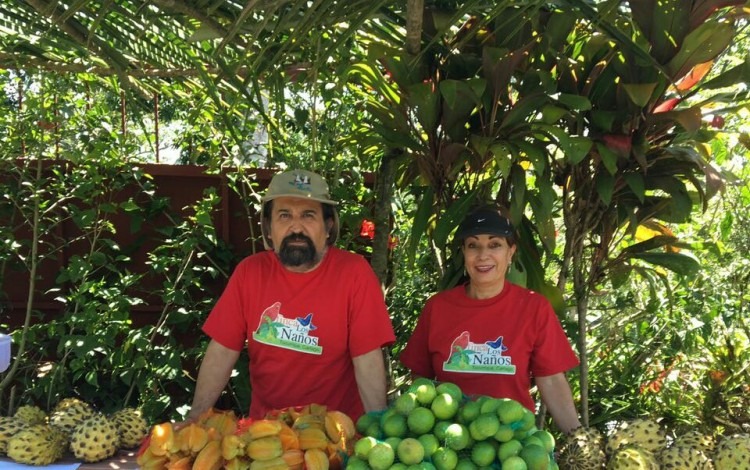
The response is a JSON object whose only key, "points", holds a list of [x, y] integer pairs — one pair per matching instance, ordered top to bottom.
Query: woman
{"points": [[489, 336]]}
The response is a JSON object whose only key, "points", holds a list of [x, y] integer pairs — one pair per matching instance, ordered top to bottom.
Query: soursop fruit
{"points": [[70, 413], [30, 414], [9, 427], [132, 428], [645, 434], [95, 439], [695, 439], [39, 444], [583, 449], [733, 453], [632, 457], [682, 457]]}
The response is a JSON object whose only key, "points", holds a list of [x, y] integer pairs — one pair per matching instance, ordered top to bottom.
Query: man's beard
{"points": [[297, 255]]}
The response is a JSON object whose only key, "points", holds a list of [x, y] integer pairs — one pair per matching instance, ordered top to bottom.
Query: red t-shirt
{"points": [[302, 329], [489, 346]]}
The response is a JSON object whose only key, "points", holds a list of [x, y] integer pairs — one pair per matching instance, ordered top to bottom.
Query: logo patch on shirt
{"points": [[274, 329], [479, 358]]}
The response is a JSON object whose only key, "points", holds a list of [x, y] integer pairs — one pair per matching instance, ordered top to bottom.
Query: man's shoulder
{"points": [[346, 257], [256, 260]]}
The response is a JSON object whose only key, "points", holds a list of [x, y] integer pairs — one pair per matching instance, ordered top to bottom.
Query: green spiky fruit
{"points": [[70, 413], [30, 414], [9, 427], [131, 427], [645, 434], [95, 439], [695, 439], [39, 444], [583, 449], [733, 452], [631, 457], [682, 457]]}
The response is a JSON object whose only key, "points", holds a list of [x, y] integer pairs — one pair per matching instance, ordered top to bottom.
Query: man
{"points": [[312, 316]]}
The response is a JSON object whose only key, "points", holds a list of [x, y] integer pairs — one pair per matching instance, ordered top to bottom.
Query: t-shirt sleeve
{"points": [[226, 323], [370, 325], [552, 351], [416, 354]]}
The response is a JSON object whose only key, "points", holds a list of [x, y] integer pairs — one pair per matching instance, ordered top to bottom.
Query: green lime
{"points": [[424, 389], [451, 389], [405, 403], [489, 405], [444, 406], [469, 411], [509, 411], [420, 420], [365, 421], [528, 421], [395, 426], [485, 426], [439, 429], [374, 430], [504, 433], [457, 436], [533, 439], [547, 439], [393, 442], [430, 443], [363, 446], [508, 449], [410, 451], [484, 453], [381, 456], [535, 456], [445, 459], [355, 463], [465, 463], [513, 463], [424, 465], [395, 466]]}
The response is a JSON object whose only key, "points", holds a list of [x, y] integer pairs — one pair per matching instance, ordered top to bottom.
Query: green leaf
{"points": [[702, 44], [731, 77], [640, 93], [425, 99], [574, 102], [523, 110], [551, 113], [603, 120], [575, 148], [503, 158], [609, 158], [605, 184], [636, 184], [450, 219], [421, 220], [652, 243], [679, 263], [619, 275]]}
